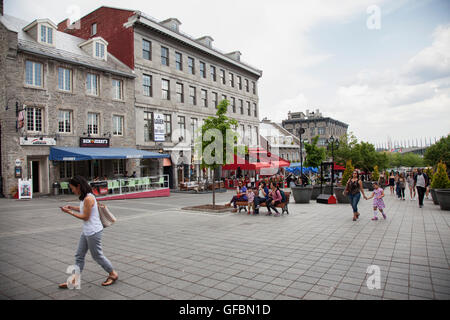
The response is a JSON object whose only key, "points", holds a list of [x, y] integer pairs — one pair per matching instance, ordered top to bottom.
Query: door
{"points": [[35, 176]]}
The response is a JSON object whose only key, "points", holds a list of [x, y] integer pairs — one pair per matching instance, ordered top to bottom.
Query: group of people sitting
{"points": [[272, 197]]}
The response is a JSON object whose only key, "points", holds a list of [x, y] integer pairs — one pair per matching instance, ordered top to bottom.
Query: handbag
{"points": [[106, 216]]}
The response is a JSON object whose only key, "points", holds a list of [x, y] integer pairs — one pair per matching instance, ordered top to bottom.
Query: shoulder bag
{"points": [[106, 216]]}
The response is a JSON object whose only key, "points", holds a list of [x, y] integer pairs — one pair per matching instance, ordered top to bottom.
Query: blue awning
{"points": [[81, 154]]}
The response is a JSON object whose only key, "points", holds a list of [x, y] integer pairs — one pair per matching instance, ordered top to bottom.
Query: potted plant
{"points": [[441, 186], [339, 191]]}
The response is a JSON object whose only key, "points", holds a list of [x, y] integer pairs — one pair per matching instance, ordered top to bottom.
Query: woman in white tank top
{"points": [[92, 229]]}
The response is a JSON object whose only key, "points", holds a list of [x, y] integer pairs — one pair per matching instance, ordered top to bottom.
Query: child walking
{"points": [[251, 198], [378, 203]]}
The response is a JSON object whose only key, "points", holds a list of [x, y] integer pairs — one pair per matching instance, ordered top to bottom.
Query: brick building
{"points": [[179, 81], [56, 89]]}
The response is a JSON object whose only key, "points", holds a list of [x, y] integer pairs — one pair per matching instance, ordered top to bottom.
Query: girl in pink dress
{"points": [[378, 203]]}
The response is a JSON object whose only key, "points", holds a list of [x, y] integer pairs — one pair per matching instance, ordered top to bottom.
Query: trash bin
{"points": [[56, 187]]}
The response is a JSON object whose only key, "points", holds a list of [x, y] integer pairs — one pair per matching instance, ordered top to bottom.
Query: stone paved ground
{"points": [[162, 252]]}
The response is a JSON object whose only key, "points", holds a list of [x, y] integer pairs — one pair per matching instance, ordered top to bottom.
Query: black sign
{"points": [[94, 143]]}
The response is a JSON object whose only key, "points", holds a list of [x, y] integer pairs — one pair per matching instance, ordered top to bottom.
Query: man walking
{"points": [[421, 183]]}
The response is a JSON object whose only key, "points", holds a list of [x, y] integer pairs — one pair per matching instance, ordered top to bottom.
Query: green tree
{"points": [[215, 140], [439, 152], [314, 155], [368, 156], [347, 173], [375, 174], [440, 179]]}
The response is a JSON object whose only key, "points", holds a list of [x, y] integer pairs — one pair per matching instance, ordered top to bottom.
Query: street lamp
{"points": [[300, 132], [332, 141]]}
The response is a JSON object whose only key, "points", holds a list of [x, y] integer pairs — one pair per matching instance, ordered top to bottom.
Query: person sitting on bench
{"points": [[240, 196], [263, 196], [274, 199]]}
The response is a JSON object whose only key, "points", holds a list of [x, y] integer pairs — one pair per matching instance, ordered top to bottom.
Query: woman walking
{"points": [[392, 182], [402, 185], [354, 189], [412, 190], [91, 237]]}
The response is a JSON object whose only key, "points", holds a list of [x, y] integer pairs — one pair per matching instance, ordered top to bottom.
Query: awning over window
{"points": [[81, 154]]}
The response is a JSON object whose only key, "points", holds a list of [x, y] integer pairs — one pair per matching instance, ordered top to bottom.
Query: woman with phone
{"points": [[91, 236]]}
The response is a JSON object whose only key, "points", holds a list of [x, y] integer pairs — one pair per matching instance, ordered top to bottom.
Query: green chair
{"points": [[161, 182], [140, 183], [146, 183], [131, 184], [115, 185], [64, 186]]}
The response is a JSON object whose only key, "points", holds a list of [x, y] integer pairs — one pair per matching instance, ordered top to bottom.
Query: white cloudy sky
{"points": [[388, 82]]}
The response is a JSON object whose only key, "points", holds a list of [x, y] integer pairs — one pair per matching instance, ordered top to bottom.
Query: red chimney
{"points": [[63, 25]]}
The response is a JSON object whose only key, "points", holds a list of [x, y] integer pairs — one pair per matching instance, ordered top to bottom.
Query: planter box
{"points": [[339, 192], [315, 193], [302, 194], [434, 197], [443, 197]]}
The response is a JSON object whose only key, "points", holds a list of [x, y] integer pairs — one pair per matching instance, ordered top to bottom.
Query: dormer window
{"points": [[42, 31], [46, 34], [99, 50]]}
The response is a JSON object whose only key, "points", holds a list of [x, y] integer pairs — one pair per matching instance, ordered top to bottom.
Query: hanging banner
{"points": [[160, 128], [30, 141], [25, 189]]}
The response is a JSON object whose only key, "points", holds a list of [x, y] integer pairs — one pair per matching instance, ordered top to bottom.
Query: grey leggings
{"points": [[94, 244]]}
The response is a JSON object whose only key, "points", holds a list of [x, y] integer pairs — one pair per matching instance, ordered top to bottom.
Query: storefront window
{"points": [[149, 134], [119, 166], [66, 170]]}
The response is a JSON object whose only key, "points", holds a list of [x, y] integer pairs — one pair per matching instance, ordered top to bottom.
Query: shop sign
{"points": [[160, 128], [37, 141], [94, 143], [25, 190]]}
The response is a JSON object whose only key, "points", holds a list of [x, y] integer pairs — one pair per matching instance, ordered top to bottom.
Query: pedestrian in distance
{"points": [[392, 182], [421, 182], [402, 185], [353, 189], [412, 190], [378, 203], [91, 236]]}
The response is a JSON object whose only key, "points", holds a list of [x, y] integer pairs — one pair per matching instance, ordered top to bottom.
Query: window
{"points": [[93, 29], [46, 34], [99, 50], [146, 50], [164, 56], [179, 61], [191, 65], [202, 69], [33, 73], [213, 73], [222, 76], [231, 76], [64, 79], [239, 82], [92, 84], [147, 85], [246, 85], [117, 86], [165, 87], [254, 87], [180, 93], [204, 97], [215, 97], [224, 97], [192, 98], [233, 104], [241, 106], [255, 110], [249, 112], [34, 119], [64, 121], [93, 121], [118, 125], [168, 125], [182, 125], [148, 126], [194, 127], [312, 131], [320, 131], [242, 133], [255, 136], [250, 137], [322, 142], [119, 166], [66, 169]]}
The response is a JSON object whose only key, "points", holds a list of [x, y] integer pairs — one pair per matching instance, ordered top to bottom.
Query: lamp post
{"points": [[300, 132], [332, 141]]}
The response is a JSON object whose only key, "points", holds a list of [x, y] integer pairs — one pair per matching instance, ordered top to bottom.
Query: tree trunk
{"points": [[214, 188]]}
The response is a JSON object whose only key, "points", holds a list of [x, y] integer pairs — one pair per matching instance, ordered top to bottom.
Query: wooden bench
{"points": [[284, 206]]}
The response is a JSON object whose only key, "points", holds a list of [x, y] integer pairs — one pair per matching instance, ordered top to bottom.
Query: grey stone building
{"points": [[179, 80], [56, 89], [315, 124]]}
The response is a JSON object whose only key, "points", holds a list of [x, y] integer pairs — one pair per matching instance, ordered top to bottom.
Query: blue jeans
{"points": [[354, 199]]}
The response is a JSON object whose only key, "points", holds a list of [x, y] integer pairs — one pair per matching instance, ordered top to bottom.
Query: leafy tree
{"points": [[215, 152], [439, 152], [314, 155], [368, 156], [347, 173], [375, 174], [440, 178]]}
